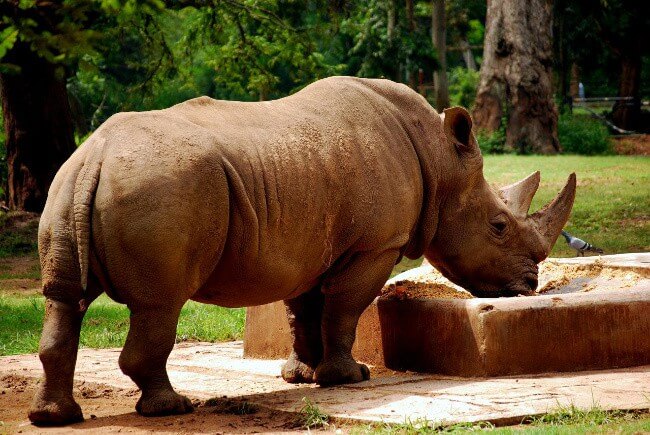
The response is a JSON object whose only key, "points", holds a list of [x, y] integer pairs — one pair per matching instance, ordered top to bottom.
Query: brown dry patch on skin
{"points": [[406, 289], [109, 410]]}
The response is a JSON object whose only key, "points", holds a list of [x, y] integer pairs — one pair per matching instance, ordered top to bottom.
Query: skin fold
{"points": [[310, 199]]}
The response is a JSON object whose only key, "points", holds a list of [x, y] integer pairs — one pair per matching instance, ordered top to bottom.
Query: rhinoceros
{"points": [[310, 199]]}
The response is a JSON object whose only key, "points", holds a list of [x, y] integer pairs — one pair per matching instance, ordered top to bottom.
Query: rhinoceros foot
{"points": [[295, 371], [346, 371], [163, 402], [54, 412]]}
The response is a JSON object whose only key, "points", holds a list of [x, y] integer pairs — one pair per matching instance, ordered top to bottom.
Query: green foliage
{"points": [[63, 32], [259, 50], [378, 52], [463, 84], [583, 135], [492, 143], [564, 415], [311, 416], [563, 421], [421, 426]]}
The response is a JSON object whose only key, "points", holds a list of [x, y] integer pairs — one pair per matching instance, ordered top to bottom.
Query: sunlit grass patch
{"points": [[106, 323], [563, 420]]}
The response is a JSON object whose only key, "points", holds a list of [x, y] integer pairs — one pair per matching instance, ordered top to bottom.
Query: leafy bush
{"points": [[462, 86], [583, 135], [492, 143]]}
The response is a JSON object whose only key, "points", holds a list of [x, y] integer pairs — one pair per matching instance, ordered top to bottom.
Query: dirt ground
{"points": [[633, 145], [22, 270], [111, 410]]}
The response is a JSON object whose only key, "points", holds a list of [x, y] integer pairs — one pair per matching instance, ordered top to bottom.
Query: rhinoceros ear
{"points": [[458, 129]]}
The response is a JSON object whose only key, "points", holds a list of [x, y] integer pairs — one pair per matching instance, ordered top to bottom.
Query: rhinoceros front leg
{"points": [[347, 294], [304, 314], [151, 337], [53, 403]]}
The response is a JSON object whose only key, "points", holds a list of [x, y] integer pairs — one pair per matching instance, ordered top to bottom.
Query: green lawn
{"points": [[612, 206], [106, 323], [569, 420]]}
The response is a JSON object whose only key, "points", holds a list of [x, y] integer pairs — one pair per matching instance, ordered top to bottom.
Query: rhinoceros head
{"points": [[485, 240]]}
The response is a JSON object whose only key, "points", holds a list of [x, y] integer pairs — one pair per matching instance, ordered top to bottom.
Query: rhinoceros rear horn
{"points": [[458, 128], [519, 195], [550, 220]]}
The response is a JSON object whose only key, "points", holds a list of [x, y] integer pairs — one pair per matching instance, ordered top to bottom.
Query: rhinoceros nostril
{"points": [[531, 282]]}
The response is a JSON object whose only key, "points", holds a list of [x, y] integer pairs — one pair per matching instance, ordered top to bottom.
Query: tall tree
{"points": [[620, 23], [439, 40], [40, 43], [516, 75], [37, 118], [38, 123]]}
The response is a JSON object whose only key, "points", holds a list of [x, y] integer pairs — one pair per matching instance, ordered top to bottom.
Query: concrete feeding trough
{"points": [[590, 313]]}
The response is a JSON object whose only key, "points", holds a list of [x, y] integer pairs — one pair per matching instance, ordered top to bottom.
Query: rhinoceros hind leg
{"points": [[347, 294], [304, 314], [144, 358], [53, 403]]}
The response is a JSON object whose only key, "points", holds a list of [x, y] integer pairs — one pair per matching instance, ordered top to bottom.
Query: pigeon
{"points": [[580, 245]]}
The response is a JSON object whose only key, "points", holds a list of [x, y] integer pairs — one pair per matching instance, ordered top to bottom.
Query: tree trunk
{"points": [[410, 15], [390, 19], [412, 25], [439, 38], [468, 56], [517, 70], [574, 83], [626, 113], [38, 126]]}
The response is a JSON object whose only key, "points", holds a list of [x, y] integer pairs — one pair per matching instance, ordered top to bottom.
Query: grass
{"points": [[612, 205], [33, 272], [106, 324], [231, 406], [311, 416], [564, 420]]}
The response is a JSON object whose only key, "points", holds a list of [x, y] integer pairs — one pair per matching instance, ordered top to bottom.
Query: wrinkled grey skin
{"points": [[310, 199]]}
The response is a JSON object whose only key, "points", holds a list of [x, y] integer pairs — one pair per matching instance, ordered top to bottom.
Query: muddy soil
{"points": [[20, 275], [553, 279], [407, 289], [111, 410]]}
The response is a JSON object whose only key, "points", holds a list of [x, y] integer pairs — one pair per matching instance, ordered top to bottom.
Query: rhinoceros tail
{"points": [[84, 195]]}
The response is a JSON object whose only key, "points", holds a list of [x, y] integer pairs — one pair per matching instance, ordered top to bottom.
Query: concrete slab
{"points": [[593, 316], [204, 370]]}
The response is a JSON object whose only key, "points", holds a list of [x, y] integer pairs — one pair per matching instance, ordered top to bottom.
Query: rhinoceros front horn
{"points": [[519, 195], [550, 220]]}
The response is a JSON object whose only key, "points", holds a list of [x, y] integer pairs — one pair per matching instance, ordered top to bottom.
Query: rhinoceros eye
{"points": [[499, 224]]}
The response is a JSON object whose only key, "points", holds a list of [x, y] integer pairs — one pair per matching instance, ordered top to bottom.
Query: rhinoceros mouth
{"points": [[522, 286]]}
